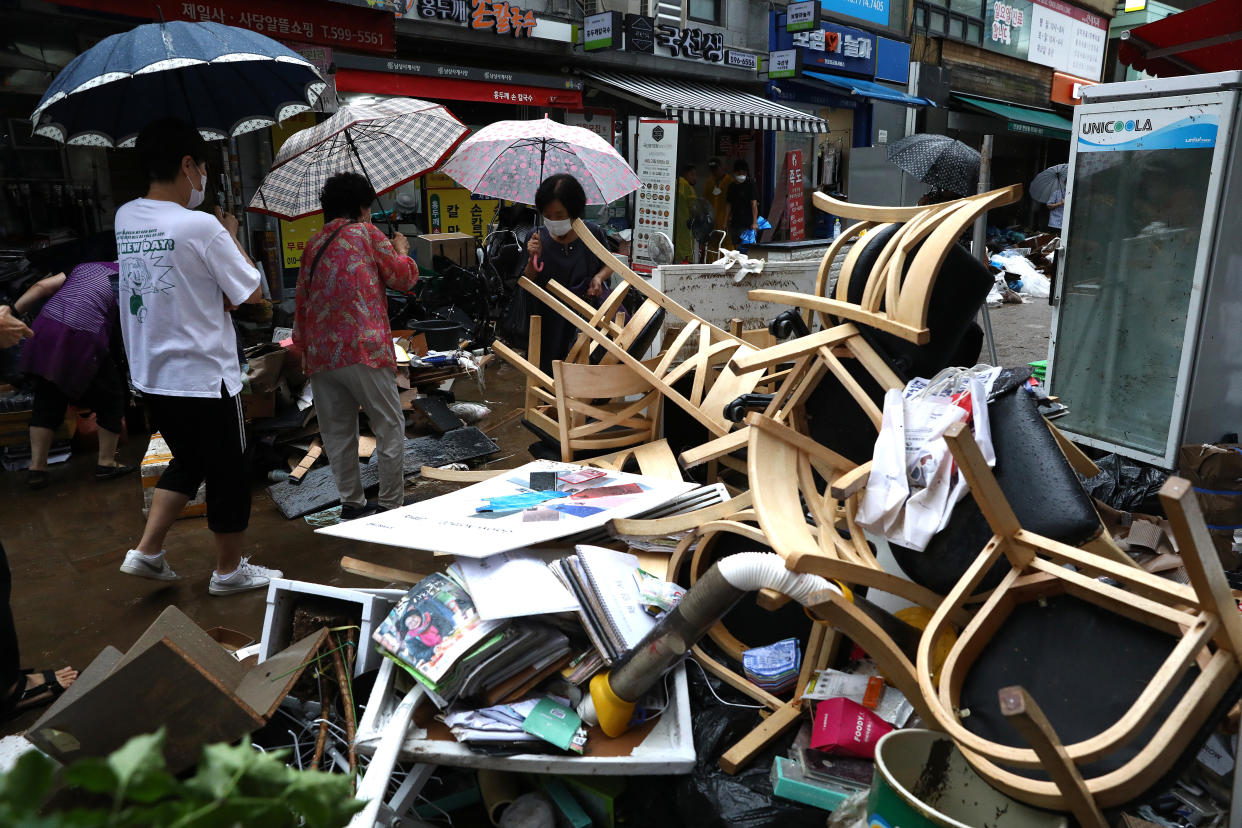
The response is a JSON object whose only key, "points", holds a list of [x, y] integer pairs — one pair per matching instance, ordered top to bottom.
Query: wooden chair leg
{"points": [[1024, 714]]}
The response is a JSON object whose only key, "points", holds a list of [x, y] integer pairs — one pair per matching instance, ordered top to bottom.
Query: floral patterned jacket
{"points": [[341, 317]]}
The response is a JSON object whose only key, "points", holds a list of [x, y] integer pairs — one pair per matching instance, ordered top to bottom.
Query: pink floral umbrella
{"points": [[509, 159]]}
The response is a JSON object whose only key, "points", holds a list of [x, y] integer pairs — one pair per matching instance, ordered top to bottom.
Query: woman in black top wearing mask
{"points": [[557, 254]]}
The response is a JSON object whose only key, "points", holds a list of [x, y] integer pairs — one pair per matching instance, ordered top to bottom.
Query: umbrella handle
{"points": [[538, 265]]}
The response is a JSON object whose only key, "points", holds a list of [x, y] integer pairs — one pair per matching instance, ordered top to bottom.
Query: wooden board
{"points": [[318, 490]]}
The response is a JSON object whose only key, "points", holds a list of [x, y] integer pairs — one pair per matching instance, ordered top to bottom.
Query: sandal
{"points": [[22, 699]]}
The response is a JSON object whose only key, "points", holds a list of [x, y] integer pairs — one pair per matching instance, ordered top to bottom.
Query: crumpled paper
{"points": [[746, 266]]}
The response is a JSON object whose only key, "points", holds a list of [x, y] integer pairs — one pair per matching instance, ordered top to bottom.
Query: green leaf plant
{"points": [[233, 785]]}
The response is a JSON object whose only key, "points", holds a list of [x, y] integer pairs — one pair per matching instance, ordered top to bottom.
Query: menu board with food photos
{"points": [[657, 169]]}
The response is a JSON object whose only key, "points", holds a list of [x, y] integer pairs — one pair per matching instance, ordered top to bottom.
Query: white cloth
{"points": [[177, 268]]}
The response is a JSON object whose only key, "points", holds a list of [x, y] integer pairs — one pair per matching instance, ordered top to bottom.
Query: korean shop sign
{"points": [[452, 11], [873, 11], [501, 17], [801, 17], [325, 24], [601, 31], [1048, 32], [640, 34], [695, 44], [833, 47], [742, 60], [783, 64]]}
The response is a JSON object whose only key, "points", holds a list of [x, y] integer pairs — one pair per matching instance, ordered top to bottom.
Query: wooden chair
{"points": [[587, 425], [1130, 671]]}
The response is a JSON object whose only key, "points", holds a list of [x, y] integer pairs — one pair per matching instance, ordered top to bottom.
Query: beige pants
{"points": [[338, 395]]}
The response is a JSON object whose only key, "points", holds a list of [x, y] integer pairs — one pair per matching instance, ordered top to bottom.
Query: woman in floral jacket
{"points": [[341, 327]]}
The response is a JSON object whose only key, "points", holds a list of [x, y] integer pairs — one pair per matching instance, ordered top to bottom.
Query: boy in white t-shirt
{"points": [[182, 271]]}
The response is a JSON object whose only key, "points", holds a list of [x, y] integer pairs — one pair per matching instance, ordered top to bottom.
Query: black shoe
{"points": [[113, 472], [37, 479], [355, 512]]}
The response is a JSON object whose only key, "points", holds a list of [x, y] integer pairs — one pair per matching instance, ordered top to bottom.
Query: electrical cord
{"points": [[712, 690]]}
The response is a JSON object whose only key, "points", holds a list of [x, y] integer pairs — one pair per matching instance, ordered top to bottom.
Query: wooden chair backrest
{"points": [[932, 230], [592, 412]]}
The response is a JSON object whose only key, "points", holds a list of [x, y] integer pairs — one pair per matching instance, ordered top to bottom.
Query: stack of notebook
{"points": [[610, 600], [435, 633]]}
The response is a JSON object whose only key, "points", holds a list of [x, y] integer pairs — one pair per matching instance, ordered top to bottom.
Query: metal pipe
{"points": [[980, 242]]}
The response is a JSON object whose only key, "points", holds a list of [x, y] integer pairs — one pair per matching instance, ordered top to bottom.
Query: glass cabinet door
{"points": [[1131, 248]]}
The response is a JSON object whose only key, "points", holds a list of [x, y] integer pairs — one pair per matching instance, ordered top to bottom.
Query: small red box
{"points": [[846, 728]]}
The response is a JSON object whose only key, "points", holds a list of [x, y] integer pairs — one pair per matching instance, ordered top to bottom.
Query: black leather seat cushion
{"points": [[1039, 484], [1085, 667]]}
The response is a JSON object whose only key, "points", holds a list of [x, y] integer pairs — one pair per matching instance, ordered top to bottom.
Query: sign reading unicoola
{"points": [[601, 31]]}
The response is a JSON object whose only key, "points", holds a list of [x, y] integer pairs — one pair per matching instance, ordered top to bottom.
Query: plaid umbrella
{"points": [[389, 142], [509, 159], [938, 160], [1048, 182]]}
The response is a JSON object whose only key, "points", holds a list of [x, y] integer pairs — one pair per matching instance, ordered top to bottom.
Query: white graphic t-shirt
{"points": [[177, 268]]}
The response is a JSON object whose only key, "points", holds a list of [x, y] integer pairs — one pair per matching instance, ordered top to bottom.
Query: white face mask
{"points": [[740, 178], [716, 191], [197, 196], [559, 228]]}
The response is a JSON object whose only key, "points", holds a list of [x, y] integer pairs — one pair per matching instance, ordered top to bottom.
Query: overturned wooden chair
{"points": [[1081, 683]]}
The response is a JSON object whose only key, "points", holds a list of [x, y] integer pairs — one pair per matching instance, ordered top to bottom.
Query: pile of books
{"points": [[436, 634]]}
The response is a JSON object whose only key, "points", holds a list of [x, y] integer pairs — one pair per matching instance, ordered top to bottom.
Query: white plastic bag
{"points": [[914, 483]]}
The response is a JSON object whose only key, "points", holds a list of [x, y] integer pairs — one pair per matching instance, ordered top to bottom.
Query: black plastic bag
{"points": [[1127, 485], [708, 796]]}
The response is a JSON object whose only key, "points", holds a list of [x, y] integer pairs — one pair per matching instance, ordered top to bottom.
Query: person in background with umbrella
{"points": [[743, 211], [1056, 211], [557, 254], [182, 271], [341, 327]]}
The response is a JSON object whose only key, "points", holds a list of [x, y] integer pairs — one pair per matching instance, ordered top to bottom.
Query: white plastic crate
{"points": [[282, 594]]}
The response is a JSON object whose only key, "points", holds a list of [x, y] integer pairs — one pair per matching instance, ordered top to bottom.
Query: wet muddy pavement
{"points": [[66, 542]]}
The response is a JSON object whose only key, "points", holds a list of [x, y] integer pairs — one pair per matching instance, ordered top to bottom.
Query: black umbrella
{"points": [[938, 160]]}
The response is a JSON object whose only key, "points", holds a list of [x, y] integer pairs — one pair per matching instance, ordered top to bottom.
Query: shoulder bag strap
{"points": [[323, 248]]}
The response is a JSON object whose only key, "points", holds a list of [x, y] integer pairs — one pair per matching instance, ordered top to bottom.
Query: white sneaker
{"points": [[139, 564], [248, 576]]}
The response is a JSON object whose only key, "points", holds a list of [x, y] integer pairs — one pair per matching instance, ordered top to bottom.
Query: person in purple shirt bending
{"points": [[71, 360]]}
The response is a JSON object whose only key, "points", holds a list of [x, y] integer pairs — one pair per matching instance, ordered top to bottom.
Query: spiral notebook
{"points": [[611, 604]]}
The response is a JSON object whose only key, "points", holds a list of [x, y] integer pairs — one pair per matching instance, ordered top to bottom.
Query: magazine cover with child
{"points": [[433, 626]]}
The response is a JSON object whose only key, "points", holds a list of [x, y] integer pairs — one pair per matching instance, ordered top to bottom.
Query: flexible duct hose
{"points": [[613, 694]]}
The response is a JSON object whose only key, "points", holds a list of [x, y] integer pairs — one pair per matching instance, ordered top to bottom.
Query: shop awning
{"points": [[1203, 39], [868, 89], [703, 104], [1025, 120]]}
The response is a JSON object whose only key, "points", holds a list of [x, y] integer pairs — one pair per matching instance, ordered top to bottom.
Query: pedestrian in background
{"points": [[716, 191], [1056, 211], [743, 212], [683, 238], [182, 271], [341, 328], [73, 359]]}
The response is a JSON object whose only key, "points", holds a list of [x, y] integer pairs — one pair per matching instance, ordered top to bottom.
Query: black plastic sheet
{"points": [[1127, 485]]}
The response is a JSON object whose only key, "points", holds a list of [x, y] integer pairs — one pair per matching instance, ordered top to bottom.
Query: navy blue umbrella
{"points": [[224, 80]]}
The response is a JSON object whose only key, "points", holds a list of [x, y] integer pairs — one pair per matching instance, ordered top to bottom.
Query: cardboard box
{"points": [[460, 247], [258, 406], [154, 462], [176, 676]]}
